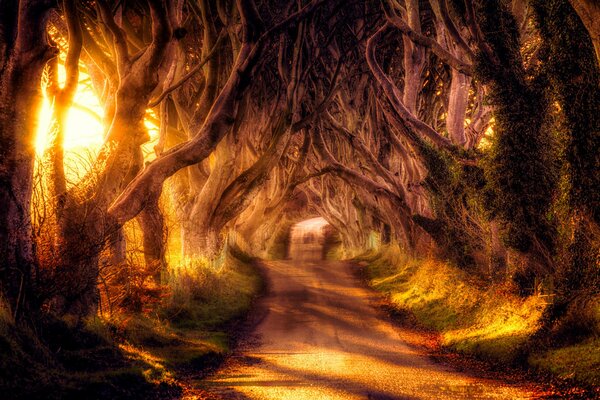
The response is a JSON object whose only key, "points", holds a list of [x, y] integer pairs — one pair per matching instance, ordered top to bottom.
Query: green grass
{"points": [[491, 323], [190, 330], [138, 356], [59, 361], [580, 362]]}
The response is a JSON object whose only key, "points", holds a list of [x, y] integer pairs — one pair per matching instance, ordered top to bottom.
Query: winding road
{"points": [[321, 338]]}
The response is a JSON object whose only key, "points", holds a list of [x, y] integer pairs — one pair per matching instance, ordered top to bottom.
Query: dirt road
{"points": [[322, 339]]}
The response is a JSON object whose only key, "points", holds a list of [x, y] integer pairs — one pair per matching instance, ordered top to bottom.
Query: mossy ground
{"points": [[491, 322], [132, 355]]}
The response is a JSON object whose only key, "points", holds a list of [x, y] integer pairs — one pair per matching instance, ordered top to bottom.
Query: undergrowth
{"points": [[491, 323], [132, 355]]}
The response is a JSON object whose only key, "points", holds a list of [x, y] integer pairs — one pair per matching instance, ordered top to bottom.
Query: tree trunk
{"points": [[26, 52], [414, 59], [457, 107], [153, 228], [200, 240], [498, 253]]}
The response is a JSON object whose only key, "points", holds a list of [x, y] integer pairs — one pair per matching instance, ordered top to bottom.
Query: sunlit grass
{"points": [[209, 293], [490, 323], [127, 353], [156, 372]]}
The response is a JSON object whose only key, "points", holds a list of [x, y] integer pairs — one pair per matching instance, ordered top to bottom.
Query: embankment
{"points": [[489, 322]]}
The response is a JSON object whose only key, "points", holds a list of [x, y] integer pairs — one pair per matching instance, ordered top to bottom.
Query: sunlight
{"points": [[84, 128], [84, 131], [485, 141], [313, 224], [307, 238]]}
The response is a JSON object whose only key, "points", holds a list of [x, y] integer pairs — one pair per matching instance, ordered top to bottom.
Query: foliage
{"points": [[568, 60], [521, 167], [453, 190], [204, 296], [62, 361], [580, 361]]}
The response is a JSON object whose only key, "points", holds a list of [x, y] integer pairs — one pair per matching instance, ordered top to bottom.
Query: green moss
{"points": [[569, 60], [521, 166]]}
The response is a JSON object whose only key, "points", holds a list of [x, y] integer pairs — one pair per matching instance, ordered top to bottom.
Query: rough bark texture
{"points": [[25, 53], [153, 228]]}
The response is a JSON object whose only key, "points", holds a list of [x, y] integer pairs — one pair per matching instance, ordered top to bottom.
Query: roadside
{"points": [[201, 323], [482, 332], [151, 354]]}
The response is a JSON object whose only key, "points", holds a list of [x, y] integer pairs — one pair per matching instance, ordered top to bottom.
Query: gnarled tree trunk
{"points": [[25, 53]]}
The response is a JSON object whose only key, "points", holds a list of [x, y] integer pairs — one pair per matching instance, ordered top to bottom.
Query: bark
{"points": [[589, 12], [416, 40], [25, 53], [414, 59], [211, 74], [394, 96], [62, 100], [458, 100], [219, 121], [119, 161], [378, 168], [354, 178], [236, 197], [269, 205], [154, 236], [198, 237]]}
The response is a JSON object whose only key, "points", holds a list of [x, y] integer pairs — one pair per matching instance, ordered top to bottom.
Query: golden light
{"points": [[84, 131], [485, 142], [313, 224]]}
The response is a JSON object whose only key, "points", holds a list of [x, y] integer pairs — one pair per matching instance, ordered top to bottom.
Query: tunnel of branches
{"points": [[461, 130]]}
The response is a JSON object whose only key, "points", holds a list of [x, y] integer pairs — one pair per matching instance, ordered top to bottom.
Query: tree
{"points": [[24, 54]]}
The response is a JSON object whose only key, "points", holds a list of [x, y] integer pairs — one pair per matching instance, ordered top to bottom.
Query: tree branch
{"points": [[118, 34], [432, 44], [191, 73], [393, 94]]}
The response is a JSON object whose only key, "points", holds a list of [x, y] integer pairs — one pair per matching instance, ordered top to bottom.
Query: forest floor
{"points": [[323, 335]]}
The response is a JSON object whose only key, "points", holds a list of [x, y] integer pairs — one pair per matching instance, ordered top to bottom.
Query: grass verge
{"points": [[490, 323], [133, 355]]}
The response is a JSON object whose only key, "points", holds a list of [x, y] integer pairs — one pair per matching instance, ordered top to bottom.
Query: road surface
{"points": [[322, 339]]}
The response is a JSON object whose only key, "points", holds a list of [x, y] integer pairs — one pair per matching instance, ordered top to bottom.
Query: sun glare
{"points": [[84, 128], [84, 131], [313, 224]]}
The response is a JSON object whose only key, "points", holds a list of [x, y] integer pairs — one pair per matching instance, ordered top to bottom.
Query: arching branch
{"points": [[393, 94]]}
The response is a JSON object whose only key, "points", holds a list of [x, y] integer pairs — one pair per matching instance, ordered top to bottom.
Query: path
{"points": [[322, 339]]}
